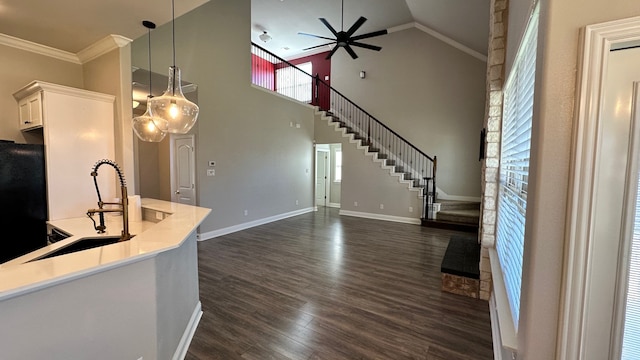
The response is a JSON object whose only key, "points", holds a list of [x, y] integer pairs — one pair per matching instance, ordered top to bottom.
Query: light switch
{"points": [[211, 172]]}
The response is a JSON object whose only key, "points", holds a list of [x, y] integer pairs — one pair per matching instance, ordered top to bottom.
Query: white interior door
{"points": [[184, 170], [321, 177], [600, 330]]}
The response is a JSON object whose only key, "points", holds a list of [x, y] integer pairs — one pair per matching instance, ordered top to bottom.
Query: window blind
{"points": [[514, 166], [631, 338]]}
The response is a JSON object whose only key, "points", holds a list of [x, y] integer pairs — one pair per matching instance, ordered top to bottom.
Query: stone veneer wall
{"points": [[492, 124]]}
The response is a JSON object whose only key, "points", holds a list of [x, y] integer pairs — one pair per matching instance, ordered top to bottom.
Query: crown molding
{"points": [[449, 41], [101, 47], [36, 48]]}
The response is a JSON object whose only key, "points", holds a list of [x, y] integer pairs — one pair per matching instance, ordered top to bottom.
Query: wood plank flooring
{"points": [[324, 286]]}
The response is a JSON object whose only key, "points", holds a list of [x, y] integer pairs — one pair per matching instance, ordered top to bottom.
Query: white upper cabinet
{"points": [[78, 130]]}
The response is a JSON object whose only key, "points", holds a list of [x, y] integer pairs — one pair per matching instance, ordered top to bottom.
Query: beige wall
{"points": [[560, 23], [21, 67], [111, 74], [427, 91], [262, 164], [365, 182]]}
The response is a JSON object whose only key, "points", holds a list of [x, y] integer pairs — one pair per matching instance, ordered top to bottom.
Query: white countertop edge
{"points": [[27, 277]]}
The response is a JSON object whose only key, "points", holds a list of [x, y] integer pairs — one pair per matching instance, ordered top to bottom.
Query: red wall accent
{"points": [[322, 67], [264, 73]]}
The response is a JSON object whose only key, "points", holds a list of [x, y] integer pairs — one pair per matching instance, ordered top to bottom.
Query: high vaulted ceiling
{"points": [[464, 21], [72, 25]]}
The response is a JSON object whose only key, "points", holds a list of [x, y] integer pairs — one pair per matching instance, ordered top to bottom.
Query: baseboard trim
{"points": [[334, 205], [392, 218], [250, 224], [185, 341]]}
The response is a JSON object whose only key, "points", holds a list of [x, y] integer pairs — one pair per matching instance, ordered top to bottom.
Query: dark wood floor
{"points": [[322, 286]]}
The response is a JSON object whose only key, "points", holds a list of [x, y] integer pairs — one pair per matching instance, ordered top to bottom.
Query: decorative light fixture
{"points": [[265, 37], [173, 112], [144, 126]]}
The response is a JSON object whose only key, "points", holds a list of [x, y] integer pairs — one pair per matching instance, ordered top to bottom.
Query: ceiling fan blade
{"points": [[326, 23], [356, 25], [370, 35], [315, 36], [318, 46], [366, 46], [333, 51], [351, 52]]}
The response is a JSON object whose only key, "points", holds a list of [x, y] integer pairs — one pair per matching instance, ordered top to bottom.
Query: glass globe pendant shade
{"points": [[172, 111], [145, 128]]}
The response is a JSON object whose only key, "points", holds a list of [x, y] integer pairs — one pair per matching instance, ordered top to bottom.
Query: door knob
{"points": [[177, 192]]}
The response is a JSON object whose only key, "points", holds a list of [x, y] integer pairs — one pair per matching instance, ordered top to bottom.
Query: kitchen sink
{"points": [[82, 244]]}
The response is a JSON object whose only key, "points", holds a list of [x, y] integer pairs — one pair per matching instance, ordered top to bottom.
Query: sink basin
{"points": [[82, 244]]}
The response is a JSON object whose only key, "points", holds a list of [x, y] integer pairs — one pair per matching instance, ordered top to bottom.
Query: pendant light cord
{"points": [[173, 29], [149, 34]]}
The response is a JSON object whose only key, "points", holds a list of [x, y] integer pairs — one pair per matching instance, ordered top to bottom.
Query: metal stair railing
{"points": [[274, 73]]}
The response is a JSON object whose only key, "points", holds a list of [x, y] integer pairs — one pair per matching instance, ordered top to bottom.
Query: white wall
{"points": [[427, 91], [262, 164]]}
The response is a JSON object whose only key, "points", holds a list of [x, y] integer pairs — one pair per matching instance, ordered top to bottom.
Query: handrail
{"points": [[317, 78], [394, 150]]}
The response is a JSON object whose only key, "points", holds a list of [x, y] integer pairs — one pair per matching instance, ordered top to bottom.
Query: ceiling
{"points": [[465, 21], [73, 25]]}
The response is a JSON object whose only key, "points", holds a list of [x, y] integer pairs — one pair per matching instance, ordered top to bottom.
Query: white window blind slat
{"points": [[514, 167], [631, 333]]}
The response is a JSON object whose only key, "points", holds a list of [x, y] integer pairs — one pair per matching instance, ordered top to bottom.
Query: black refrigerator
{"points": [[23, 199]]}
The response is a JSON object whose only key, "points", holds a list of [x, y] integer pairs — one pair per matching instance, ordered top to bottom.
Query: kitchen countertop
{"points": [[19, 276]]}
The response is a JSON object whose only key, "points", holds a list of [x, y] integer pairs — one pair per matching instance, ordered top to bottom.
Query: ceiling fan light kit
{"points": [[264, 36], [345, 39]]}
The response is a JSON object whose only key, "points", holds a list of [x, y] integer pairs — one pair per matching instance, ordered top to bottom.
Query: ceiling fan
{"points": [[345, 39]]}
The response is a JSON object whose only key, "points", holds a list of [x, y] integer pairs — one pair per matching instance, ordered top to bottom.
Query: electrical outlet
{"points": [[291, 124], [297, 126], [211, 172], [296, 202], [355, 203], [381, 206], [410, 208], [246, 212], [159, 215]]}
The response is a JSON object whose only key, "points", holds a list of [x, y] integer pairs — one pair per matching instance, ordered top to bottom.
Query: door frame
{"points": [[597, 42], [174, 166], [327, 173]]}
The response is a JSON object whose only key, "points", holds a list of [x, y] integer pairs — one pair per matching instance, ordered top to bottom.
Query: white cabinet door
{"points": [[31, 112]]}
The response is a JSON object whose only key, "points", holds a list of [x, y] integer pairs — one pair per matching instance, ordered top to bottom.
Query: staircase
{"points": [[403, 160], [404, 175], [456, 215]]}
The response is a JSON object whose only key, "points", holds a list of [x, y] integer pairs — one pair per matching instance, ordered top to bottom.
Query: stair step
{"points": [[458, 205], [460, 216], [440, 224]]}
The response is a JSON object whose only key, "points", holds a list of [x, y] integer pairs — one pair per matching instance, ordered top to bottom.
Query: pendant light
{"points": [[176, 113], [144, 126]]}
